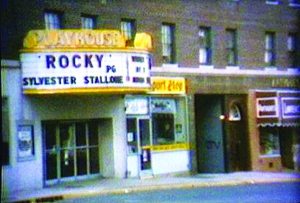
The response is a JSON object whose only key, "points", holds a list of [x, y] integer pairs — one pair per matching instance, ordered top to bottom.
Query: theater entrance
{"points": [[71, 150]]}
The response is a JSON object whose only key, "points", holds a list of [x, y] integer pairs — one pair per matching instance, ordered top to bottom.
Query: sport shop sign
{"points": [[68, 65]]}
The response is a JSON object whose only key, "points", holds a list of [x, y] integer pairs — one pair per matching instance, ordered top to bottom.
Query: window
{"points": [[104, 2], [272, 2], [294, 3], [52, 20], [88, 22], [128, 29], [168, 43], [231, 47], [292, 49], [205, 52], [270, 57], [234, 113], [168, 121], [163, 128], [5, 132], [269, 141]]}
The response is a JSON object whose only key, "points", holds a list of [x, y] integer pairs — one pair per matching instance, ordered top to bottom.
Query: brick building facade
{"points": [[225, 51]]}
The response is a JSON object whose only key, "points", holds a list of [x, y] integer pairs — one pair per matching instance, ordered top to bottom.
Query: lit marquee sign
{"points": [[71, 61]]}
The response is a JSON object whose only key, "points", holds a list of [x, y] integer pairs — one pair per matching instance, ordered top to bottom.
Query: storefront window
{"points": [[167, 117], [168, 121], [163, 128], [269, 141]]}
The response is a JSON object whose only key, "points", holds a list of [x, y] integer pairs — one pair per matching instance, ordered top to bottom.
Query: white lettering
{"points": [[267, 108], [291, 109]]}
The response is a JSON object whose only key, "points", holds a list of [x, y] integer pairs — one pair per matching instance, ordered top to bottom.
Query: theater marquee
{"points": [[72, 61]]}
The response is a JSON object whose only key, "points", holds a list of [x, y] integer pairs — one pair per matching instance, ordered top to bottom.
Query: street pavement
{"points": [[122, 186], [284, 192]]}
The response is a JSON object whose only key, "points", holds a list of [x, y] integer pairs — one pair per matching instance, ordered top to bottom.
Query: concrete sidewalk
{"points": [[120, 186]]}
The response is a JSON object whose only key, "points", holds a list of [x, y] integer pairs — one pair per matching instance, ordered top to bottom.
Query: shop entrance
{"points": [[209, 133], [289, 137], [139, 147], [71, 150]]}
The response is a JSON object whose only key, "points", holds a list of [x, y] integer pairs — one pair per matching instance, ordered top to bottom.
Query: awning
{"points": [[278, 125]]}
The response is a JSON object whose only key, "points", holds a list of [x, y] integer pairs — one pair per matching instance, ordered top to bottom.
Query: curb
{"points": [[166, 186]]}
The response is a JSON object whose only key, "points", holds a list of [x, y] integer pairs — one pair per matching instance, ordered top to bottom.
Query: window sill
{"points": [[272, 3], [294, 5], [170, 65], [206, 66], [233, 67], [270, 68], [270, 156]]}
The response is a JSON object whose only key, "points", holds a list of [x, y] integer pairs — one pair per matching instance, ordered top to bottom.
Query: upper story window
{"points": [[272, 2], [294, 3], [52, 20], [88, 22], [128, 30], [231, 38], [291, 42], [168, 43], [292, 48], [205, 50], [270, 55]]}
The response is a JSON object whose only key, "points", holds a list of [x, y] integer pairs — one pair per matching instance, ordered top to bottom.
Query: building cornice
{"points": [[227, 71]]}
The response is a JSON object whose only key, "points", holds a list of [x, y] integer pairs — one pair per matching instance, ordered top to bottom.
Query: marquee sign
{"points": [[72, 61], [83, 70]]}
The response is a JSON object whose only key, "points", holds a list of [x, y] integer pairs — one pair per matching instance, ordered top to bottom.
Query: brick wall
{"points": [[251, 18]]}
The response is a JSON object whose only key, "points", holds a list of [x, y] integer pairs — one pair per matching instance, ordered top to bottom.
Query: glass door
{"points": [[66, 141], [145, 145], [139, 147], [71, 150], [52, 151]]}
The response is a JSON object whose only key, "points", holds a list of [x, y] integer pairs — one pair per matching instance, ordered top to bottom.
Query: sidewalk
{"points": [[120, 186]]}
